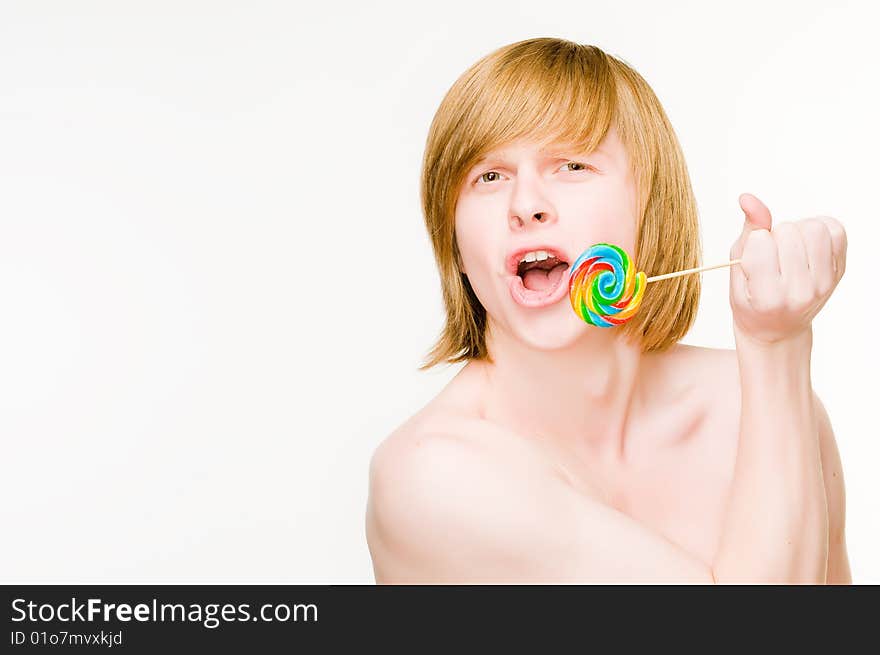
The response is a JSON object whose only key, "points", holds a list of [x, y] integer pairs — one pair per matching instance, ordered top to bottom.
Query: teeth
{"points": [[536, 255]]}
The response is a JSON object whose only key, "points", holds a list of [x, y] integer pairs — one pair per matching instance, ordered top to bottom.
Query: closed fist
{"points": [[786, 274]]}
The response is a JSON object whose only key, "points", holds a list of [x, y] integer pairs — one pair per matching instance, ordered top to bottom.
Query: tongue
{"points": [[540, 280]]}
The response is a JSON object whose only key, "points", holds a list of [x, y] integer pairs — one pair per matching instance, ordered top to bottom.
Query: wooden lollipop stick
{"points": [[691, 270]]}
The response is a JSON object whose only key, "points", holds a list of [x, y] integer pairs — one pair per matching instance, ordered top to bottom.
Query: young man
{"points": [[564, 452]]}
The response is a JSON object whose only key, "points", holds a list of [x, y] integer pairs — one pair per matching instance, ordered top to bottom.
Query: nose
{"points": [[528, 209], [538, 217], [543, 217]]}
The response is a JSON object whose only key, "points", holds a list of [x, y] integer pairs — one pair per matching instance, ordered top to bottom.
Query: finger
{"points": [[757, 217], [839, 243], [820, 257], [760, 265], [793, 269], [739, 288]]}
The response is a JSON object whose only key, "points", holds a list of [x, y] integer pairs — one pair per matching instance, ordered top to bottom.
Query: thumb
{"points": [[757, 218]]}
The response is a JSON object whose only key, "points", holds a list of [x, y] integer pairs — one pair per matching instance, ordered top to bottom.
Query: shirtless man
{"points": [[573, 457]]}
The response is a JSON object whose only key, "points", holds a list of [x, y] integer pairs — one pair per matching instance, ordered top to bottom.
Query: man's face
{"points": [[520, 198]]}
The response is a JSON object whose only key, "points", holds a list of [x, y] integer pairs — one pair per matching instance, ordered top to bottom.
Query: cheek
{"points": [[607, 216], [475, 239]]}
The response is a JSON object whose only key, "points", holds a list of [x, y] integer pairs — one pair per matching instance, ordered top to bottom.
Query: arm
{"points": [[835, 493], [443, 509], [777, 522], [776, 527]]}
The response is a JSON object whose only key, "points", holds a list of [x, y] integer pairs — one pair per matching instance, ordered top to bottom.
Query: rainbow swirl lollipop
{"points": [[604, 288]]}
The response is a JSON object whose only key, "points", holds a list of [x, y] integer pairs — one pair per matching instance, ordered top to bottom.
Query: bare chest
{"points": [[677, 476], [679, 492]]}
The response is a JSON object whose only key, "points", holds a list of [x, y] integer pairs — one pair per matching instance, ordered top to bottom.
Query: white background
{"points": [[216, 285]]}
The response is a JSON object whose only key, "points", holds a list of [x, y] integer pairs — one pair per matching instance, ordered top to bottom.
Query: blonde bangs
{"points": [[553, 98]]}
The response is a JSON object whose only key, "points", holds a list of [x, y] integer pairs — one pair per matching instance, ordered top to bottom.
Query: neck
{"points": [[580, 398]]}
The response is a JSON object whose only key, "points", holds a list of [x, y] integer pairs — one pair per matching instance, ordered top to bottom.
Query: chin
{"points": [[555, 329]]}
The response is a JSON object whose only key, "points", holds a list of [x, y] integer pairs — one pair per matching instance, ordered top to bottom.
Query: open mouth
{"points": [[541, 275], [540, 283]]}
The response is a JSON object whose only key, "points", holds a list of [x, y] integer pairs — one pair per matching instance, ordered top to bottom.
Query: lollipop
{"points": [[604, 288]]}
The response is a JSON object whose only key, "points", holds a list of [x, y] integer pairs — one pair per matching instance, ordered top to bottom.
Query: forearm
{"points": [[776, 527]]}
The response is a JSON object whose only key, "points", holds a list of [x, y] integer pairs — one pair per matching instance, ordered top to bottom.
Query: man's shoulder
{"points": [[451, 421], [422, 435], [439, 447], [446, 454], [442, 495]]}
